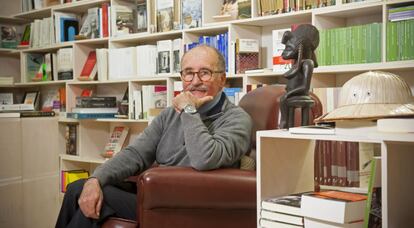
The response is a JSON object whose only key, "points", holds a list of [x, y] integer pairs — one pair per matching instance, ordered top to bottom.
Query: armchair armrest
{"points": [[183, 187]]}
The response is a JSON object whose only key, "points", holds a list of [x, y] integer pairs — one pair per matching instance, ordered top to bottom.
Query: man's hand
{"points": [[186, 98], [90, 200]]}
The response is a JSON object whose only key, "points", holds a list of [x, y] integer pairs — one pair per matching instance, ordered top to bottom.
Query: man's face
{"points": [[202, 59]]}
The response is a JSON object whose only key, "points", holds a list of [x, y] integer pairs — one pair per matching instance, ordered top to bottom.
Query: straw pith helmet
{"points": [[373, 95]]}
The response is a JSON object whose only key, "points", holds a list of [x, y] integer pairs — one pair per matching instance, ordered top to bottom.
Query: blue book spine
{"points": [[89, 115]]}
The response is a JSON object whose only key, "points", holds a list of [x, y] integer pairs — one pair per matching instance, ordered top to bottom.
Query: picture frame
{"points": [[31, 97]]}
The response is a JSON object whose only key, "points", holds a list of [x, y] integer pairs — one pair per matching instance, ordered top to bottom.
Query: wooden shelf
{"points": [[79, 6], [35, 14], [42, 83], [75, 158]]}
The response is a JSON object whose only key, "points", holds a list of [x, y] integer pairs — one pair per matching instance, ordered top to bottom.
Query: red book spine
{"points": [[105, 28], [89, 65]]}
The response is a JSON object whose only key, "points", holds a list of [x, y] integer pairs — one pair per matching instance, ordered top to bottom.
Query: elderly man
{"points": [[202, 130]]}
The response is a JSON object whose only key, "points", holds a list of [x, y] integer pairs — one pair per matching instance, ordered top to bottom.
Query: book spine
{"points": [[105, 28], [37, 114]]}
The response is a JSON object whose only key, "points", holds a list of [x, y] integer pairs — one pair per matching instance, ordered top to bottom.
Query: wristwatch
{"points": [[190, 109]]}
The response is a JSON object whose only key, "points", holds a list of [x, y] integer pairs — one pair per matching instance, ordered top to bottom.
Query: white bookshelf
{"points": [[93, 135], [290, 168]]}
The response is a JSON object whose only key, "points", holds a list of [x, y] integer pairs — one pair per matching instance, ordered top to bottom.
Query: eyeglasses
{"points": [[203, 74]]}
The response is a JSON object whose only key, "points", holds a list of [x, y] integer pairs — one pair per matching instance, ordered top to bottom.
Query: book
{"points": [[244, 9], [191, 13], [165, 15], [141, 16], [123, 20], [90, 27], [9, 37], [164, 50], [247, 55], [34, 62], [65, 63], [279, 64], [90, 67], [6, 98], [95, 102], [96, 110], [9, 114], [25, 114], [75, 115], [402, 125], [313, 129], [71, 135], [116, 141], [69, 176], [289, 204], [334, 206], [281, 217], [266, 223], [316, 223]]}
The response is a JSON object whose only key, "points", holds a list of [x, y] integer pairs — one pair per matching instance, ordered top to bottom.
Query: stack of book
{"points": [[94, 107], [69, 176], [333, 209], [282, 211]]}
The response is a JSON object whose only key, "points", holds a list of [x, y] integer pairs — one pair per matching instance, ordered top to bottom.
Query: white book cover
{"points": [[90, 26], [248, 45], [277, 49], [164, 50], [65, 59], [146, 61], [122, 63], [102, 64], [147, 99], [396, 125], [313, 130], [334, 206], [281, 217], [265, 223], [315, 223]]}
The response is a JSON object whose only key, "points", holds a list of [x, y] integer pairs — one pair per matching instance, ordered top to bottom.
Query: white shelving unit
{"points": [[93, 135], [289, 168]]}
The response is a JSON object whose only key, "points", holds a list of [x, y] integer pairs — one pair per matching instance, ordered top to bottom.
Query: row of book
{"points": [[269, 7], [401, 13], [399, 40], [219, 41], [350, 45], [145, 60], [49, 66], [148, 101], [33, 104], [344, 164], [69, 176], [328, 208]]}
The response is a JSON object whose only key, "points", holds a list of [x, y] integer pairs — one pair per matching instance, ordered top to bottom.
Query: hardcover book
{"points": [[191, 14], [165, 15], [142, 16], [124, 20], [90, 27], [247, 55], [90, 68], [71, 139], [116, 141], [289, 204], [334, 206]]}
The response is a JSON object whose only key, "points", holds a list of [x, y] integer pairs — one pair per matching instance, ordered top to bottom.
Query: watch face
{"points": [[190, 109]]}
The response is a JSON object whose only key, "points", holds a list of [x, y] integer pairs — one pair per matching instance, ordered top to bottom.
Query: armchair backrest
{"points": [[262, 104]]}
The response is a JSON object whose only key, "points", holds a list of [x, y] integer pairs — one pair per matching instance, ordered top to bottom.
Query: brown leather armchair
{"points": [[183, 197]]}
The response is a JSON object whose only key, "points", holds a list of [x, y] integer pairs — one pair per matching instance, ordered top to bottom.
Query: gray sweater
{"points": [[217, 139]]}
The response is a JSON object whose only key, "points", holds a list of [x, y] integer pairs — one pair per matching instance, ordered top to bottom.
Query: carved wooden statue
{"points": [[300, 46]]}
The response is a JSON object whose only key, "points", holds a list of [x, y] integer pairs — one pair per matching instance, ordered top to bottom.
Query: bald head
{"points": [[220, 64]]}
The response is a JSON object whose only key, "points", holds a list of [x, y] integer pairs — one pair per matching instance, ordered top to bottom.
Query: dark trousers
{"points": [[116, 202]]}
